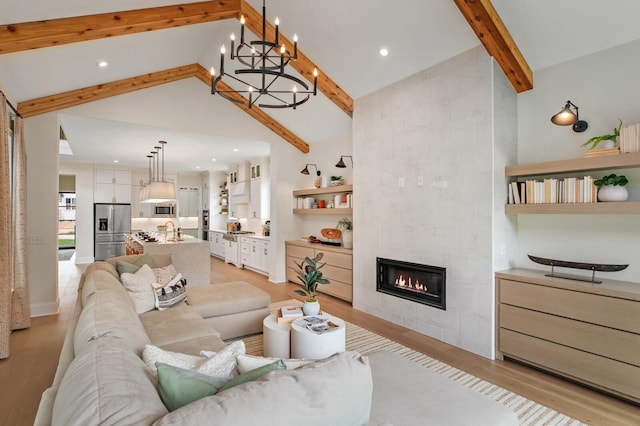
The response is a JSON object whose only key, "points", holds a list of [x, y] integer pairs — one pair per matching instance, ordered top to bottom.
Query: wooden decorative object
{"points": [[593, 267]]}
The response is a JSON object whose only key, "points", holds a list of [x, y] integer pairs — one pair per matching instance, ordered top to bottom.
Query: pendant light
{"points": [[160, 191]]}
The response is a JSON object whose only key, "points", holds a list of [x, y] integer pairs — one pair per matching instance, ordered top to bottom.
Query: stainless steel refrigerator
{"points": [[110, 223]]}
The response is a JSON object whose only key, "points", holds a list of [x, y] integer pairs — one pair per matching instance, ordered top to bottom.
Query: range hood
{"points": [[239, 189]]}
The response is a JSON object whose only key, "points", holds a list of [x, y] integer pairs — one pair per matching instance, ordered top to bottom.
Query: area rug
{"points": [[364, 341]]}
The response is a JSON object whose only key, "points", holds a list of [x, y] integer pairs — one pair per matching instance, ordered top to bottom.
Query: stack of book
{"points": [[629, 139], [551, 191], [289, 313], [317, 324]]}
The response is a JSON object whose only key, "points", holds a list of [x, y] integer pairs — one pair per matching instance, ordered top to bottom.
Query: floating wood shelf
{"points": [[604, 162], [319, 191], [625, 207], [342, 211]]}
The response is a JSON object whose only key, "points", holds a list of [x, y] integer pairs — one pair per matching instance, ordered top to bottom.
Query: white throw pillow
{"points": [[165, 274], [140, 288], [171, 294], [152, 354], [250, 362], [222, 366]]}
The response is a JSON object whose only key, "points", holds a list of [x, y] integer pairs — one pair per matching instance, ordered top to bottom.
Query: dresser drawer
{"points": [[301, 252], [342, 260], [337, 274], [337, 289], [608, 311], [604, 341], [607, 374]]}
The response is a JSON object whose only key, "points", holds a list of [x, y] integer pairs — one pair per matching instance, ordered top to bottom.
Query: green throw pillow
{"points": [[132, 268], [252, 375], [180, 387]]}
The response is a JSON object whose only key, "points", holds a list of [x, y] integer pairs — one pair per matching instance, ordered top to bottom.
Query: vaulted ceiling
{"points": [[49, 51]]}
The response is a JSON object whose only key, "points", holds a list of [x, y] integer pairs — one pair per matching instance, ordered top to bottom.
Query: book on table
{"points": [[289, 313]]}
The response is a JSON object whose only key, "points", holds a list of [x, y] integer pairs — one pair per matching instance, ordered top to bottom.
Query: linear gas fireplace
{"points": [[420, 283]]}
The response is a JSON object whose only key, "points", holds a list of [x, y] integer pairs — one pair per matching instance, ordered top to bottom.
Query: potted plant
{"points": [[594, 142], [611, 188], [346, 224], [310, 275]]}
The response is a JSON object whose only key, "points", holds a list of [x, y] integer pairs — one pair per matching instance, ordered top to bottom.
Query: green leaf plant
{"points": [[596, 140], [612, 179], [310, 275]]}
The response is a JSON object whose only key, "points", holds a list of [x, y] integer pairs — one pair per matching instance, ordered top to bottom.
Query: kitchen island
{"points": [[189, 255]]}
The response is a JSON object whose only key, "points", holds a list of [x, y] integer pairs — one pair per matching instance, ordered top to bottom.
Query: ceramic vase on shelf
{"points": [[613, 193], [347, 238], [311, 308]]}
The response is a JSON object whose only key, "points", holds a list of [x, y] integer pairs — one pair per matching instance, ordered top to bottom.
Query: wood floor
{"points": [[34, 355]]}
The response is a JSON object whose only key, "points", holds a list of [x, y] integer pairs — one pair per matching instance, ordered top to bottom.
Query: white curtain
{"points": [[14, 293]]}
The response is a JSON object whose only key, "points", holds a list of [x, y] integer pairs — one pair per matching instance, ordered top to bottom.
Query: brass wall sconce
{"points": [[567, 117], [341, 164], [305, 171]]}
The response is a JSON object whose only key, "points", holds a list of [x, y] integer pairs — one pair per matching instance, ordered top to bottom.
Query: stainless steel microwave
{"points": [[164, 210]]}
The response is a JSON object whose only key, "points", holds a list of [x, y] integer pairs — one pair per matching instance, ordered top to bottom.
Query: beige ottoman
{"points": [[234, 309]]}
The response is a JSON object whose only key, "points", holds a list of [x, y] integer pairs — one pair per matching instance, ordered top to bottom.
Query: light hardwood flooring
{"points": [[34, 356]]}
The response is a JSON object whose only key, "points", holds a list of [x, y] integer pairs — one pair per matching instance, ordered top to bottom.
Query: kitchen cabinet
{"points": [[573, 166], [112, 186], [260, 192], [326, 194], [188, 201], [139, 209], [216, 244], [254, 253], [231, 254], [338, 269], [589, 333]]}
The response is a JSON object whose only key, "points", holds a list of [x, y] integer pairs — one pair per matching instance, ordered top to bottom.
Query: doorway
{"points": [[66, 217]]}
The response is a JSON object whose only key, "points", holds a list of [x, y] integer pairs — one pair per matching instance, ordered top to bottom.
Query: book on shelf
{"points": [[629, 140], [599, 152], [567, 190], [289, 313]]}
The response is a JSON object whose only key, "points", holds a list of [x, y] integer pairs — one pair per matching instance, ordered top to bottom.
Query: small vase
{"points": [[613, 193], [347, 238], [311, 308]]}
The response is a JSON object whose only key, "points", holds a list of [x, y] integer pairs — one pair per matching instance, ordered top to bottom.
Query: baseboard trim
{"points": [[45, 309]]}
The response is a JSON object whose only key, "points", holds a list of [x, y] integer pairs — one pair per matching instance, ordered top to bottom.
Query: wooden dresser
{"points": [[338, 268], [586, 332]]}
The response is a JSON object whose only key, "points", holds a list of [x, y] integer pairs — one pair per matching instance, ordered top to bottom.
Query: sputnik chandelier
{"points": [[263, 63]]}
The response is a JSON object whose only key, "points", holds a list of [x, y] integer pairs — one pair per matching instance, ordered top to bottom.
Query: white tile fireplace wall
{"points": [[431, 152]]}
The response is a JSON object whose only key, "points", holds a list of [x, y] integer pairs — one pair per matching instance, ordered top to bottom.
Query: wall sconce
{"points": [[567, 117], [341, 164], [305, 171]]}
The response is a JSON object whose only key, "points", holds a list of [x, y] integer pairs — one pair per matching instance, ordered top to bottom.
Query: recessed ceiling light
{"points": [[384, 52], [103, 64], [235, 149], [213, 159], [115, 161], [197, 167]]}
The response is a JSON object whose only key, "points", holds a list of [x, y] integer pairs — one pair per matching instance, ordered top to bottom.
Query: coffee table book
{"points": [[289, 313]]}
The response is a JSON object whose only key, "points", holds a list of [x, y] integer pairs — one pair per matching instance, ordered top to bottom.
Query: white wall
{"points": [[605, 87], [438, 124]]}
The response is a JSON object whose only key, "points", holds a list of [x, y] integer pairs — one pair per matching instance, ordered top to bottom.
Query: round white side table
{"points": [[276, 337], [309, 345]]}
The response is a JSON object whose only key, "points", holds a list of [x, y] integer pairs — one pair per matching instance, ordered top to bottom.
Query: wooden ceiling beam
{"points": [[55, 32], [495, 37], [304, 65], [205, 76], [102, 91]]}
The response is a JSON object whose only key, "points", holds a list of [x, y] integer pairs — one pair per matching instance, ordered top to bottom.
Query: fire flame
{"points": [[402, 282]]}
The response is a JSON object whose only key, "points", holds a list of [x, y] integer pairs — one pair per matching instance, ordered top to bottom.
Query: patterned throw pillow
{"points": [[165, 274], [140, 288], [171, 294], [152, 354], [222, 366]]}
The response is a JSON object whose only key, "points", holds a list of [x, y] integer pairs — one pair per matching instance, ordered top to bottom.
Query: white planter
{"points": [[613, 193], [347, 238], [311, 308]]}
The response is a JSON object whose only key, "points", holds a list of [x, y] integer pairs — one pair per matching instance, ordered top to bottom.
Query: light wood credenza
{"points": [[586, 332]]}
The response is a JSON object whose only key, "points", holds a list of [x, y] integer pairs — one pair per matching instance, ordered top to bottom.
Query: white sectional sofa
{"points": [[102, 379]]}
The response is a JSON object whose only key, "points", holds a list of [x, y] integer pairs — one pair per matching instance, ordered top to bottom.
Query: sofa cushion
{"points": [[158, 259], [132, 267], [165, 274], [139, 286], [227, 298], [109, 311], [178, 324], [251, 362], [222, 366], [107, 384], [179, 387], [333, 391], [405, 393]]}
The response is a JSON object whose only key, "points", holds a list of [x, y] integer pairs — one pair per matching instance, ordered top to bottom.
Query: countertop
{"points": [[256, 236], [186, 239]]}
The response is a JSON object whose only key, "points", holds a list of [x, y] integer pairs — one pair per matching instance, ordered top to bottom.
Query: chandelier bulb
{"points": [[242, 19], [277, 21], [233, 37], [295, 38], [282, 49], [223, 50], [212, 71], [315, 72], [295, 89]]}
